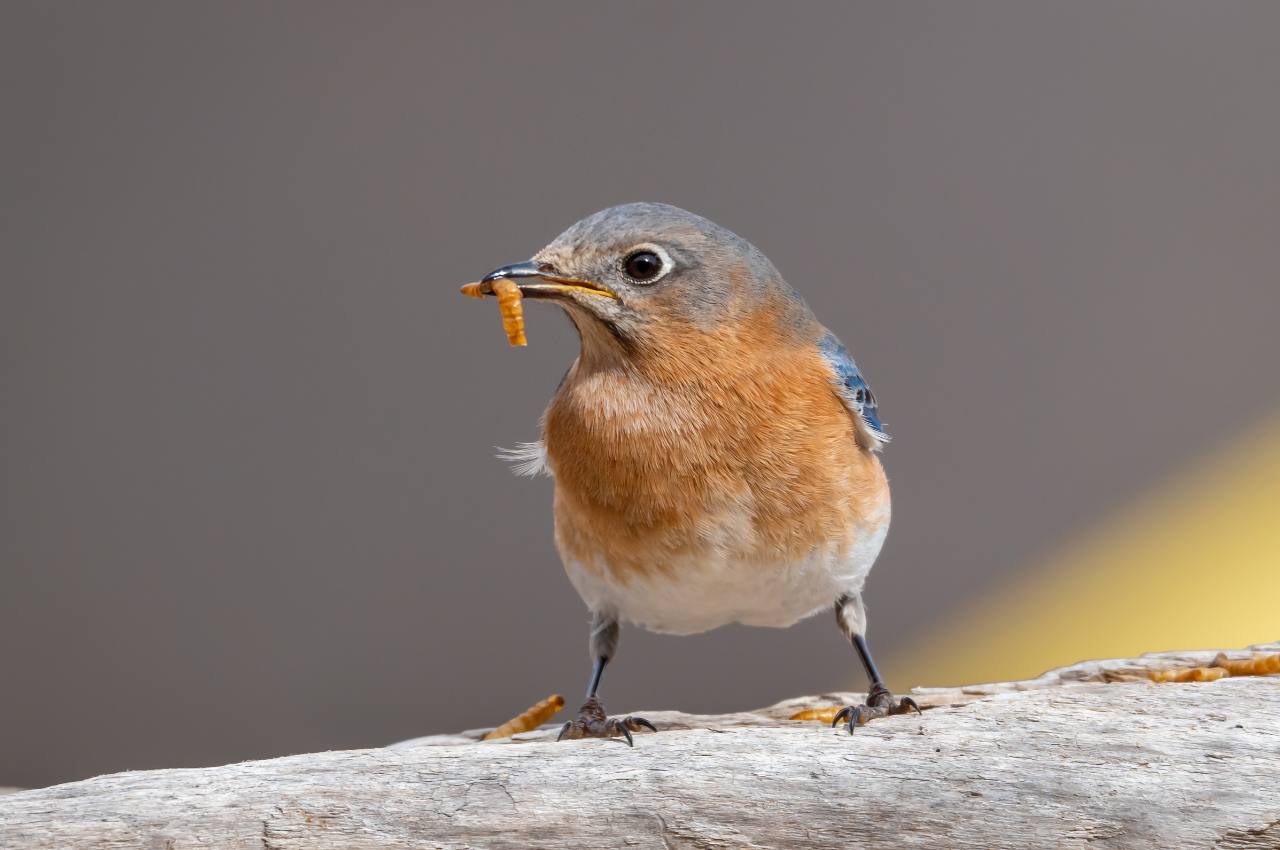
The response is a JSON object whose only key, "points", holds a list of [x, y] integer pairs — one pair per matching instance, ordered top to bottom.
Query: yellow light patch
{"points": [[1195, 565]]}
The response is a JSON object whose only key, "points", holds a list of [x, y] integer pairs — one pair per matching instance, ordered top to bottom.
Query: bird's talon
{"points": [[880, 703], [841, 715], [640, 721], [592, 722]]}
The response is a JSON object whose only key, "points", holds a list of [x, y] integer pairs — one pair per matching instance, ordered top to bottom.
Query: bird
{"points": [[714, 448]]}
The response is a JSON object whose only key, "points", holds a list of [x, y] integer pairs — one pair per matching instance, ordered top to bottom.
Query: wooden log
{"points": [[1094, 755]]}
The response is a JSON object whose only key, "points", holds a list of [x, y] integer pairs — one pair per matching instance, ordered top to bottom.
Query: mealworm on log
{"points": [[509, 304], [1258, 665], [1191, 674], [826, 715], [530, 719]]}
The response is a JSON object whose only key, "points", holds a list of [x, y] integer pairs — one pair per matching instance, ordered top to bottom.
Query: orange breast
{"points": [[727, 439]]}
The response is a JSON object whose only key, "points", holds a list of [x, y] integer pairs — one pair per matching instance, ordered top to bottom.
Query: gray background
{"points": [[249, 504]]}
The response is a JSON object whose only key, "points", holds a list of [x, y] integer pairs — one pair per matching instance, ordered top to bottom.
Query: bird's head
{"points": [[643, 277]]}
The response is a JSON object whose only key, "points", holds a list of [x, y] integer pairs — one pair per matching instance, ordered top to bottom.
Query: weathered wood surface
{"points": [[1083, 757]]}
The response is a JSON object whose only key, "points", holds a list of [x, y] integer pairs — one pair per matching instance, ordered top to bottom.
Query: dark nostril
{"points": [[548, 268]]}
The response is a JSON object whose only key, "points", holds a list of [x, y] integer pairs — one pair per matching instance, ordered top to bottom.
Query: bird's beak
{"points": [[539, 280]]}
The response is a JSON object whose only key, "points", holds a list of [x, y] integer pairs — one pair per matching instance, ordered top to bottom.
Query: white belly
{"points": [[724, 587]]}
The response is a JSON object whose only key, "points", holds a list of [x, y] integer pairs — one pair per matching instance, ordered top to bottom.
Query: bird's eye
{"points": [[642, 266]]}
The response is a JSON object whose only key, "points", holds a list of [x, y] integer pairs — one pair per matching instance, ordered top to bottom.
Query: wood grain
{"points": [[1088, 756]]}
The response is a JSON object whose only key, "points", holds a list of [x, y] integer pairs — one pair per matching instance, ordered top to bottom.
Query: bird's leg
{"points": [[852, 618], [591, 721]]}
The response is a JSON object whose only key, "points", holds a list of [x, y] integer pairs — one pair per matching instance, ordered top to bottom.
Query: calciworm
{"points": [[509, 305], [533, 717]]}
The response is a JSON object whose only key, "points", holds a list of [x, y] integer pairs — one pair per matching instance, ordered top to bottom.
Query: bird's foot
{"points": [[880, 703], [592, 722]]}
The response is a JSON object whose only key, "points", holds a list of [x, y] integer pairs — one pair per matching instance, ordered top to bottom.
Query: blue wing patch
{"points": [[853, 389]]}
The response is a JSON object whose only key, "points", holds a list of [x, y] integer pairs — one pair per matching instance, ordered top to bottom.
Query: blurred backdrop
{"points": [[249, 504]]}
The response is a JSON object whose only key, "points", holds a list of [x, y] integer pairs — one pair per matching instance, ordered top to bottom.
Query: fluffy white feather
{"points": [[528, 460]]}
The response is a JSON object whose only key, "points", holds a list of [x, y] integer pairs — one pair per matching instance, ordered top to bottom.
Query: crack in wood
{"points": [[1265, 837]]}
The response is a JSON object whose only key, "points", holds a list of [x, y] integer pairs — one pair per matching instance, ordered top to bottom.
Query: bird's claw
{"points": [[879, 704], [850, 713], [640, 721], [592, 722]]}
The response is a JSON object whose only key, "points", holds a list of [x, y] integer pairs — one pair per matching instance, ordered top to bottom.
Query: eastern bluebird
{"points": [[713, 446]]}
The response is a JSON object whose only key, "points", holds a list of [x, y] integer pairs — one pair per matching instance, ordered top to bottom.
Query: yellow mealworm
{"points": [[509, 304], [1258, 665], [1191, 674], [826, 715], [531, 719]]}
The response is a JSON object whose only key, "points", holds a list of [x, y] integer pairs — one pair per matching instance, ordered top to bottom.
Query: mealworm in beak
{"points": [[509, 305]]}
